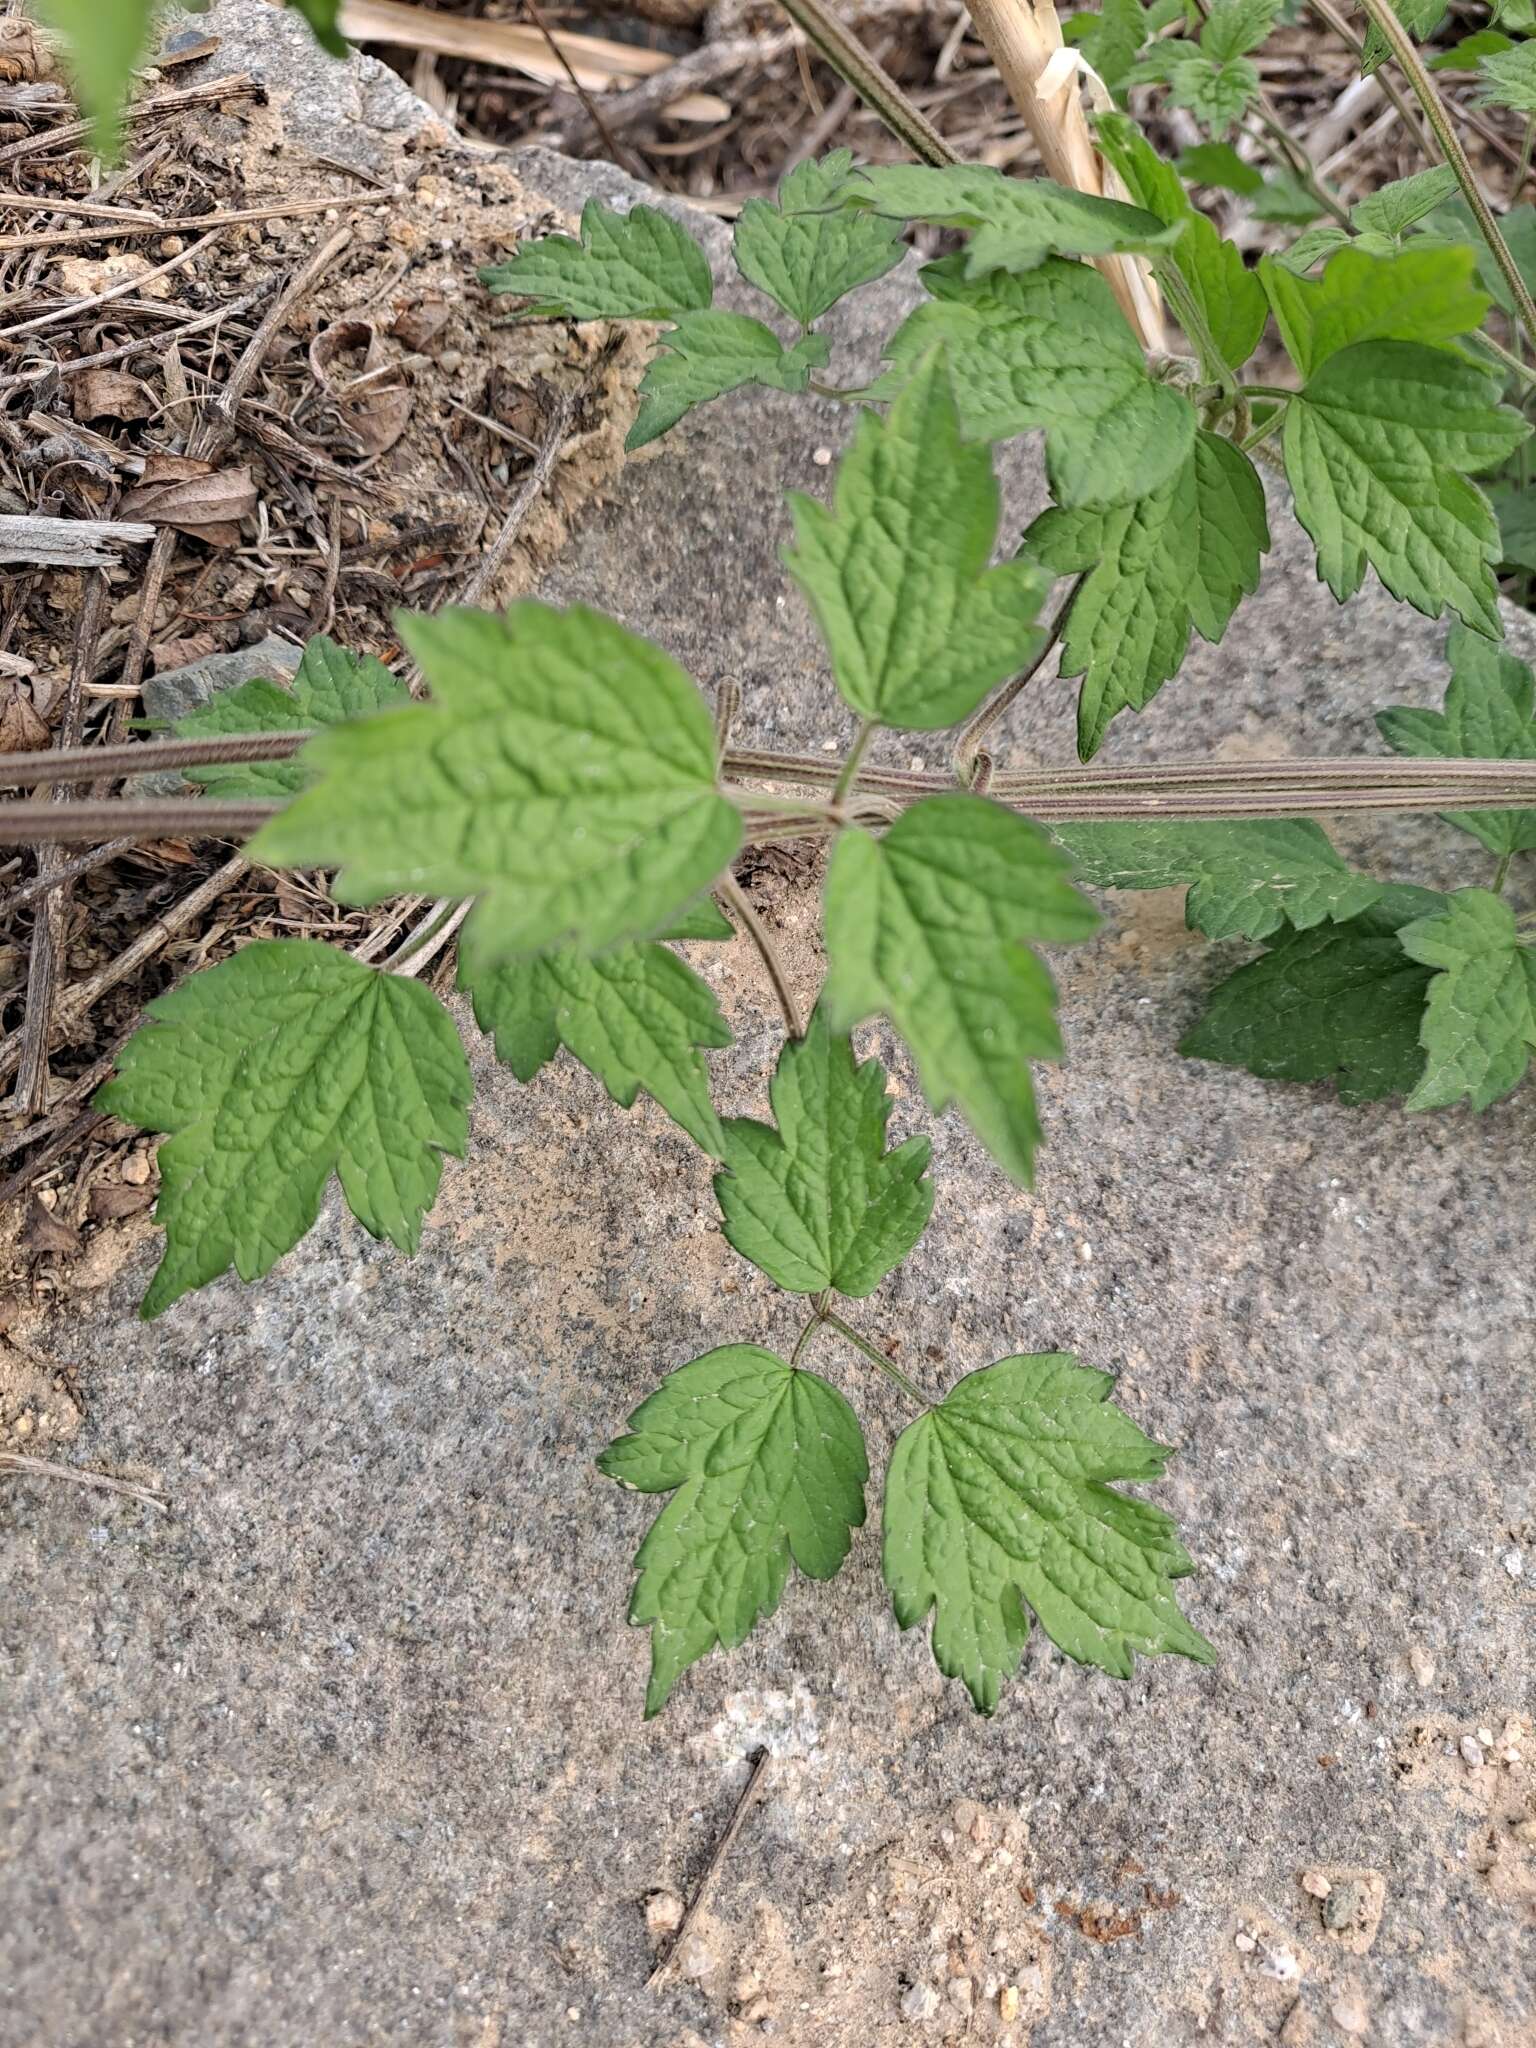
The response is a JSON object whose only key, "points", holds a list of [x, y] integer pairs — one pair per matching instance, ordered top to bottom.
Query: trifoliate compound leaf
{"points": [[1234, 27], [104, 43], [1507, 78], [1217, 94], [1392, 209], [1014, 223], [806, 255], [638, 265], [1228, 294], [1423, 295], [1049, 349], [708, 354], [1378, 449], [1182, 557], [918, 625], [329, 686], [1488, 716], [564, 773], [1247, 878], [928, 926], [1341, 1002], [635, 1017], [1479, 1026], [286, 1063], [819, 1202], [768, 1464], [999, 1500]]}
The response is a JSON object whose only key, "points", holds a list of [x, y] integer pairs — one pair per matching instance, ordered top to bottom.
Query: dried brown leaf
{"points": [[111, 395], [372, 403], [192, 496], [21, 730], [46, 1232]]}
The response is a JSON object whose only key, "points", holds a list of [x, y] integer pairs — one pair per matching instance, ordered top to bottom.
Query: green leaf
{"points": [[1420, 17], [324, 18], [1234, 27], [1110, 40], [105, 41], [1463, 56], [1507, 78], [1218, 95], [1218, 164], [1286, 198], [1393, 209], [1015, 223], [1310, 248], [806, 257], [638, 265], [1228, 293], [1423, 295], [1049, 349], [709, 354], [1378, 448], [1514, 507], [1182, 557], [918, 626], [331, 685], [1488, 716], [564, 773], [1247, 878], [702, 919], [927, 926], [1340, 1002], [635, 1017], [1479, 1027], [286, 1063], [819, 1202], [767, 1464], [1000, 1498]]}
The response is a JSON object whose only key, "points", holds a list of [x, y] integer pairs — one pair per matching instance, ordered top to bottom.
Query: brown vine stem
{"points": [[857, 67], [1438, 116], [968, 745], [757, 932], [877, 1357]]}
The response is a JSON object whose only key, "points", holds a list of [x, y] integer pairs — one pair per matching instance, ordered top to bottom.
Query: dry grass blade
{"points": [[1044, 78]]}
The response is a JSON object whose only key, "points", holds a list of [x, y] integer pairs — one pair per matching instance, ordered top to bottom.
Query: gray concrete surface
{"points": [[347, 1747]]}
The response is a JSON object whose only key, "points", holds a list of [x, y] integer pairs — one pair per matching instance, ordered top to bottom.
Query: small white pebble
{"points": [[821, 457], [1514, 1564], [1423, 1665], [1485, 1737], [1471, 1750], [1313, 1881], [1245, 1941], [1281, 1964], [920, 2003], [1008, 2004], [1349, 2014]]}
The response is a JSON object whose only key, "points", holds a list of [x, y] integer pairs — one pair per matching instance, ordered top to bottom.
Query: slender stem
{"points": [[1331, 18], [870, 80], [1427, 94], [1299, 163], [1523, 167], [1505, 356], [1214, 367], [1277, 391], [1263, 430], [968, 744], [144, 757], [847, 775], [1501, 873], [757, 932], [807, 1334], [876, 1357]]}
